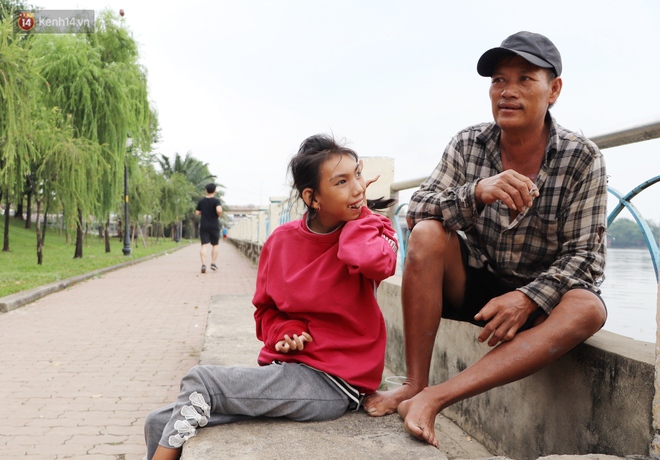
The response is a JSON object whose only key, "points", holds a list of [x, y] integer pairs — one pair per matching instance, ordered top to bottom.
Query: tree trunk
{"points": [[46, 209], [28, 211], [18, 215], [157, 228], [107, 235], [79, 237], [144, 240], [40, 243], [5, 247]]}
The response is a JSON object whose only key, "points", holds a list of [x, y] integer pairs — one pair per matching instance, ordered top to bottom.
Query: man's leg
{"points": [[215, 249], [202, 252], [433, 264], [578, 316]]}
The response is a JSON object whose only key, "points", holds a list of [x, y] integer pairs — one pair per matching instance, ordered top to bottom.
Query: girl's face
{"points": [[340, 195]]}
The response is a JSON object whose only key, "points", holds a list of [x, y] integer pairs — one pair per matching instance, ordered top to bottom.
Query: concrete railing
{"points": [[599, 398]]}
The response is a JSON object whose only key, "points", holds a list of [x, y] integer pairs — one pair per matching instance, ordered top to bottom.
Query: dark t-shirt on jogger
{"points": [[209, 218]]}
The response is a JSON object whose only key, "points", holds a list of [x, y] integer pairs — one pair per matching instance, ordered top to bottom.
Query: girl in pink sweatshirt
{"points": [[316, 311]]}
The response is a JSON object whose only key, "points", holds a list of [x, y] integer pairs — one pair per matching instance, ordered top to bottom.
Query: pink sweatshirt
{"points": [[326, 285]]}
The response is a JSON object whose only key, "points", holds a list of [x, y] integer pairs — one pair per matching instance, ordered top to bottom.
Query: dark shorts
{"points": [[209, 235], [481, 285]]}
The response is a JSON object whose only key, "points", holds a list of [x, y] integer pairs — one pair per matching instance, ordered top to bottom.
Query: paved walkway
{"points": [[81, 368]]}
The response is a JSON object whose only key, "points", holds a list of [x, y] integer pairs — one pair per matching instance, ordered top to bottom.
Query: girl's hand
{"points": [[368, 182], [291, 344]]}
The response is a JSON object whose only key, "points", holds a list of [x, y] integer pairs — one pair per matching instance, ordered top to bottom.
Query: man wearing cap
{"points": [[508, 234]]}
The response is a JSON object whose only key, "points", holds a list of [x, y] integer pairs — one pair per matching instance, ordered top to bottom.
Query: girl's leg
{"points": [[213, 395], [154, 426]]}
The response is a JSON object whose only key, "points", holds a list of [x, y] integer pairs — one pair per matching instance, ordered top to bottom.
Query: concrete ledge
{"points": [[248, 249], [19, 299], [230, 341], [595, 400]]}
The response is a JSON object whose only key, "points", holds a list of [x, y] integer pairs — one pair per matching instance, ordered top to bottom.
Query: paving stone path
{"points": [[81, 368]]}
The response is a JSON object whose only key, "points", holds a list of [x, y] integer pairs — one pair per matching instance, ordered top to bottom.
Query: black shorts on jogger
{"points": [[209, 236]]}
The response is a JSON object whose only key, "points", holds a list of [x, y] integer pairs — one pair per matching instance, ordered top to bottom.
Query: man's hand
{"points": [[513, 189], [505, 315], [296, 343]]}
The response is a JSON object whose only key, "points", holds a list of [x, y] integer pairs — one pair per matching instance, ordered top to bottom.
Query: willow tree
{"points": [[119, 54], [18, 78], [96, 82], [71, 169], [145, 192], [176, 199]]}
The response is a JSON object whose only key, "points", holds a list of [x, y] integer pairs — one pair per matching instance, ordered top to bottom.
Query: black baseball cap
{"points": [[535, 48]]}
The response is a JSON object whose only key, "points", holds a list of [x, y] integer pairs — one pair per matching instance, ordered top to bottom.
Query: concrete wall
{"points": [[596, 399]]}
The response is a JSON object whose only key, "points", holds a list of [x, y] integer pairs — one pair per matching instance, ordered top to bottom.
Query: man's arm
{"points": [[445, 195], [218, 210], [582, 224]]}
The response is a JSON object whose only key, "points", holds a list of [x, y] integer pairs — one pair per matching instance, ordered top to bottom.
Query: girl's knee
{"points": [[196, 375], [156, 421]]}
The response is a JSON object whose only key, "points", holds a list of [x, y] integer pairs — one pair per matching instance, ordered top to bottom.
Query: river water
{"points": [[630, 291]]}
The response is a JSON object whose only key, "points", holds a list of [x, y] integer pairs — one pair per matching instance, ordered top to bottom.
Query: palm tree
{"points": [[197, 174]]}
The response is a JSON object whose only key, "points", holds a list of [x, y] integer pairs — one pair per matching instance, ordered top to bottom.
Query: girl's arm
{"points": [[368, 245], [272, 324]]}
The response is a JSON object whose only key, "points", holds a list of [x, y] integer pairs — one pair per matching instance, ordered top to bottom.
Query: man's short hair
{"points": [[210, 188]]}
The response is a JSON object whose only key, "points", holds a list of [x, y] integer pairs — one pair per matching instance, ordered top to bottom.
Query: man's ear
{"points": [[556, 86], [308, 197]]}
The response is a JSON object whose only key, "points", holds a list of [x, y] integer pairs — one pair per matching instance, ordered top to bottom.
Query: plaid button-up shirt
{"points": [[554, 246]]}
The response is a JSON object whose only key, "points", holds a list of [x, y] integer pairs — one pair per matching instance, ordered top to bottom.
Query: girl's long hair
{"points": [[305, 167]]}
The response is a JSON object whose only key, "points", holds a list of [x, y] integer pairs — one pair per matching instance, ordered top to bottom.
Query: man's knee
{"points": [[427, 237], [586, 308]]}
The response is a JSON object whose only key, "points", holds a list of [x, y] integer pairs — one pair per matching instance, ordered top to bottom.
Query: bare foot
{"points": [[385, 402], [418, 414], [165, 453]]}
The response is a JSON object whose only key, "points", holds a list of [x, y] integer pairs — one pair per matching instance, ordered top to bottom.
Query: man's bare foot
{"points": [[385, 402], [418, 414]]}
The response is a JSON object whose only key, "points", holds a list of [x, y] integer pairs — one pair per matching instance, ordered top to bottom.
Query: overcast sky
{"points": [[239, 84]]}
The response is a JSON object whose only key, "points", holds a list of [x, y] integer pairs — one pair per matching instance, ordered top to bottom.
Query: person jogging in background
{"points": [[210, 210]]}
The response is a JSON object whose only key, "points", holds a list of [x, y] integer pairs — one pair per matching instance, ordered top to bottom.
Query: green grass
{"points": [[19, 270]]}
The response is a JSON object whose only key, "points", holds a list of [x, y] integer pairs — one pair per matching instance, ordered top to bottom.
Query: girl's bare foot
{"points": [[385, 402], [418, 414], [164, 453]]}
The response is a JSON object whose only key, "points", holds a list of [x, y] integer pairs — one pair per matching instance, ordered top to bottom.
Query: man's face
{"points": [[520, 94]]}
